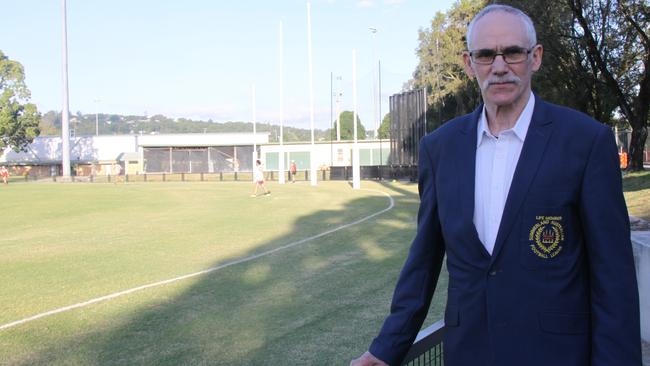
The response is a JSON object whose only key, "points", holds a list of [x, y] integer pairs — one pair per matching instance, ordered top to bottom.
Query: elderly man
{"points": [[525, 199]]}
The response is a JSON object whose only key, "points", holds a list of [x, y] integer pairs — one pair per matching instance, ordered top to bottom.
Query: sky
{"points": [[202, 59]]}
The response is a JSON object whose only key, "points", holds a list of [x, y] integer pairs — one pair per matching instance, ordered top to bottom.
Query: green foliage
{"points": [[597, 52], [596, 57], [450, 92], [18, 119], [110, 124], [347, 128], [384, 129], [270, 310]]}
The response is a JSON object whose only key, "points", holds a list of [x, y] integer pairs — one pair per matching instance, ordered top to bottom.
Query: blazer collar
{"points": [[531, 156]]}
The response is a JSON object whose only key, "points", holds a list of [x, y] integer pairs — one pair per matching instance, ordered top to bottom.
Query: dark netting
{"points": [[407, 126], [245, 158], [156, 159], [215, 159], [222, 159], [180, 160], [199, 160]]}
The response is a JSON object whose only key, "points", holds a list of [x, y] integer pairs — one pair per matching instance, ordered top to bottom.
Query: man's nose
{"points": [[500, 66]]}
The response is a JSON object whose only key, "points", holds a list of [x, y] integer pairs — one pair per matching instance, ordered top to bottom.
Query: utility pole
{"points": [[65, 114], [312, 154]]}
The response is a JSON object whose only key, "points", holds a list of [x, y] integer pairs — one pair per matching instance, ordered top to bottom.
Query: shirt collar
{"points": [[521, 126]]}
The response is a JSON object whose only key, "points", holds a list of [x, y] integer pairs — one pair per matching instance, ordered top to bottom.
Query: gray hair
{"points": [[528, 23]]}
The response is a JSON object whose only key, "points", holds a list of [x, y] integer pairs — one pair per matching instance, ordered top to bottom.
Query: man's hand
{"points": [[367, 359]]}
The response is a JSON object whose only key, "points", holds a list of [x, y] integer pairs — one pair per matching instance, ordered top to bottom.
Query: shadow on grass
{"points": [[636, 181], [317, 303]]}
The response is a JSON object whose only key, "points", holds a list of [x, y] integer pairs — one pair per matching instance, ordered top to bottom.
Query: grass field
{"points": [[637, 194], [319, 302]]}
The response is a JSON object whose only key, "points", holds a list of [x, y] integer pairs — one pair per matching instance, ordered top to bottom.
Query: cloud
{"points": [[393, 2], [365, 3]]}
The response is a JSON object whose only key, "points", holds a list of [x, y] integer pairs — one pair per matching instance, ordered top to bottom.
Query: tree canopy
{"points": [[596, 60], [18, 119], [384, 128], [347, 132]]}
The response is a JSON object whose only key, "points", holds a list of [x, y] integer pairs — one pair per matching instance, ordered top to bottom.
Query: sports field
{"points": [[92, 274]]}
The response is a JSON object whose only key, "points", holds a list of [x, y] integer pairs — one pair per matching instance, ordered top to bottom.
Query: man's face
{"points": [[502, 84]]}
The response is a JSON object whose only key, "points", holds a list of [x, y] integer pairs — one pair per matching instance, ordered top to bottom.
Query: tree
{"points": [[614, 36], [596, 60], [450, 92], [18, 119], [50, 124], [384, 128], [347, 132]]}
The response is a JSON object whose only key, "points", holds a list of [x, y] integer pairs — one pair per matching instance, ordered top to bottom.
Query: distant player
{"points": [[292, 171], [5, 175], [258, 176]]}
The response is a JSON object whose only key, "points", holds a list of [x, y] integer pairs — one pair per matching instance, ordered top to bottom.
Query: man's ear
{"points": [[538, 52], [467, 61]]}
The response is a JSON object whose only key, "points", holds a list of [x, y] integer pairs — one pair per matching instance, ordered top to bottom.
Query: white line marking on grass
{"points": [[165, 282]]}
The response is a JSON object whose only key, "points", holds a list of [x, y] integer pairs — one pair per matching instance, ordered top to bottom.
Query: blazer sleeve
{"points": [[418, 278], [614, 292]]}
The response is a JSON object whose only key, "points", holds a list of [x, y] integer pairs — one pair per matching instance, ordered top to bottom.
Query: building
{"points": [[183, 153]]}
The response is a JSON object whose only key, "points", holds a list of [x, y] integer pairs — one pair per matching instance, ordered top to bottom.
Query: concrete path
{"points": [[641, 243]]}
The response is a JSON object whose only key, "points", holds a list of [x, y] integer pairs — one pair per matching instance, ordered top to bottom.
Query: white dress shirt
{"points": [[496, 160]]}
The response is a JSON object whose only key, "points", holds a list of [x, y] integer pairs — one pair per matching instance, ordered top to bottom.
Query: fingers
{"points": [[367, 359]]}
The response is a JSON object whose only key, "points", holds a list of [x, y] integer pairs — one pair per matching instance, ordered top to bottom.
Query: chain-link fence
{"points": [[198, 159]]}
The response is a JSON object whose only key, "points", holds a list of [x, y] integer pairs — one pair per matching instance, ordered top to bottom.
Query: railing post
{"points": [[164, 178]]}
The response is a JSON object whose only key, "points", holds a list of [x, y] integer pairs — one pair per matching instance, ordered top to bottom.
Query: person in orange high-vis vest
{"points": [[623, 159]]}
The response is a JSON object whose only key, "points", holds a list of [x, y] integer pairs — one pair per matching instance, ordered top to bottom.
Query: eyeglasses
{"points": [[511, 55]]}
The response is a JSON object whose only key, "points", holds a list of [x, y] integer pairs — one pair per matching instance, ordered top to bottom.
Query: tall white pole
{"points": [[373, 31], [338, 109], [65, 114], [254, 131], [312, 153], [281, 154], [356, 168]]}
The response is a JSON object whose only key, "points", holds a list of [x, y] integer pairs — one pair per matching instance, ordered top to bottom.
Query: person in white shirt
{"points": [[258, 177]]}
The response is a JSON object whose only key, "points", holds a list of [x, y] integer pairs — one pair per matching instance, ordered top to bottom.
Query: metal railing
{"points": [[427, 348]]}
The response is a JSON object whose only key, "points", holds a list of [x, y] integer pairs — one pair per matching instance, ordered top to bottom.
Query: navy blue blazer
{"points": [[560, 287]]}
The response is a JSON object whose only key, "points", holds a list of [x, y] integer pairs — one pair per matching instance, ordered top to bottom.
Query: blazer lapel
{"points": [[532, 153], [466, 168]]}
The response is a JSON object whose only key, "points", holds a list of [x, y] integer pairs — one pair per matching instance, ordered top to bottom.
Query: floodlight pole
{"points": [[373, 31], [65, 114], [312, 153], [281, 155], [356, 168]]}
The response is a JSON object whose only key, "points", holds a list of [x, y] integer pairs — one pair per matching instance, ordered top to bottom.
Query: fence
{"points": [[407, 126], [334, 173], [427, 348]]}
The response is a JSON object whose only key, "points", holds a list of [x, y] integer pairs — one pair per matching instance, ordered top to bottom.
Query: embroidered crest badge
{"points": [[546, 236]]}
